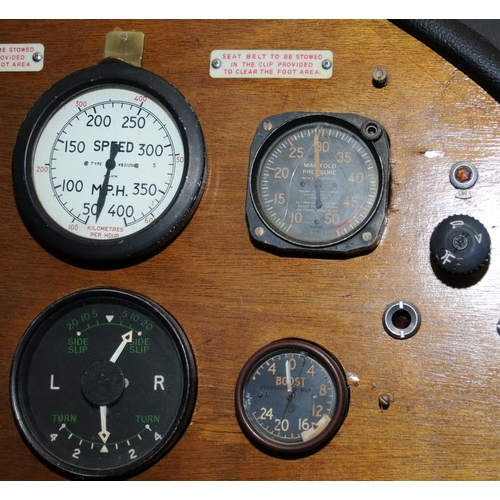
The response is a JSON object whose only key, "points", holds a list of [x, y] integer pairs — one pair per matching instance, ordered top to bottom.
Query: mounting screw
{"points": [[37, 57], [216, 63], [326, 64], [379, 77], [267, 126], [259, 231], [367, 236], [384, 401]]}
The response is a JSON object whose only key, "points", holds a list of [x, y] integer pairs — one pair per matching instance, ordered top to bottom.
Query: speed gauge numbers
{"points": [[112, 158], [109, 164], [318, 183]]}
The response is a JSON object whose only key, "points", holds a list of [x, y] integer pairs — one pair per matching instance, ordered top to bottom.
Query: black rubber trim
{"points": [[460, 45]]}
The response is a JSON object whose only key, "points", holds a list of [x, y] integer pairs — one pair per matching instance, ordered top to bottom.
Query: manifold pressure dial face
{"points": [[109, 165], [318, 183], [103, 384], [291, 398]]}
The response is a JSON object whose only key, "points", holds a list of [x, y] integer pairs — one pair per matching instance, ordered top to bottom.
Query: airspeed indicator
{"points": [[98, 160], [109, 164]]}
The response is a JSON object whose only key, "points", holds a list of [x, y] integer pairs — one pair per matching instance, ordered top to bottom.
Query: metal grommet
{"points": [[371, 130], [463, 175], [401, 320]]}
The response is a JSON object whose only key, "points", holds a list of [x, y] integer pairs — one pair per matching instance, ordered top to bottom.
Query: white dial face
{"points": [[108, 163]]}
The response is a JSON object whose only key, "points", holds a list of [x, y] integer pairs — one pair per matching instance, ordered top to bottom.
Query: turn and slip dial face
{"points": [[103, 384]]}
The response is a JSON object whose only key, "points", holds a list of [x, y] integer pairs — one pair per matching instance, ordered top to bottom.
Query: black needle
{"points": [[110, 165], [317, 172], [317, 187], [290, 397]]}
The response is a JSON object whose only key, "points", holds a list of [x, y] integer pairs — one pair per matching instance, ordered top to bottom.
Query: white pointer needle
{"points": [[126, 339], [288, 377], [104, 434]]}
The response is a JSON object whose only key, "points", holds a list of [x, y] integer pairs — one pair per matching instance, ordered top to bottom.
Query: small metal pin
{"points": [[379, 77]]}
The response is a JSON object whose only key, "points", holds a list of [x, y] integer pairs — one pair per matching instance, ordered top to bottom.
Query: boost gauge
{"points": [[109, 164], [318, 183], [103, 384], [291, 398]]}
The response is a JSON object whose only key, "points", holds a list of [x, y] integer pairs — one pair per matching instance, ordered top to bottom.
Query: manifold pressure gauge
{"points": [[109, 164], [318, 184], [103, 384], [291, 398]]}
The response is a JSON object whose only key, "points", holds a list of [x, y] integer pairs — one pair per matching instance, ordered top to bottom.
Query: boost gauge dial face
{"points": [[109, 164], [318, 183], [103, 384], [291, 398]]}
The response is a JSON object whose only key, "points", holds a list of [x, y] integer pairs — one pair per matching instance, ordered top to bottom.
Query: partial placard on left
{"points": [[21, 56]]}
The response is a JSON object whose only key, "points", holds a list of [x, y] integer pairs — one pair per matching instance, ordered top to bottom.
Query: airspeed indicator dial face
{"points": [[108, 163]]}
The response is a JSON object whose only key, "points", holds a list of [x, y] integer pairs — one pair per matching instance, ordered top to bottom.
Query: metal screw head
{"points": [[37, 57], [216, 63], [326, 64], [259, 231], [367, 236], [460, 242], [384, 401]]}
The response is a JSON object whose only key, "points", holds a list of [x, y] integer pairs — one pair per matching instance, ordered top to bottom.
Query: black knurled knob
{"points": [[460, 245]]}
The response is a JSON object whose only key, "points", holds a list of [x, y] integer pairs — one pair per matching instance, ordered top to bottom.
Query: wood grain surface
{"points": [[232, 298]]}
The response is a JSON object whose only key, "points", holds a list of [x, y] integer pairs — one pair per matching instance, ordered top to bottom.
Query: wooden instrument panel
{"points": [[443, 421]]}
